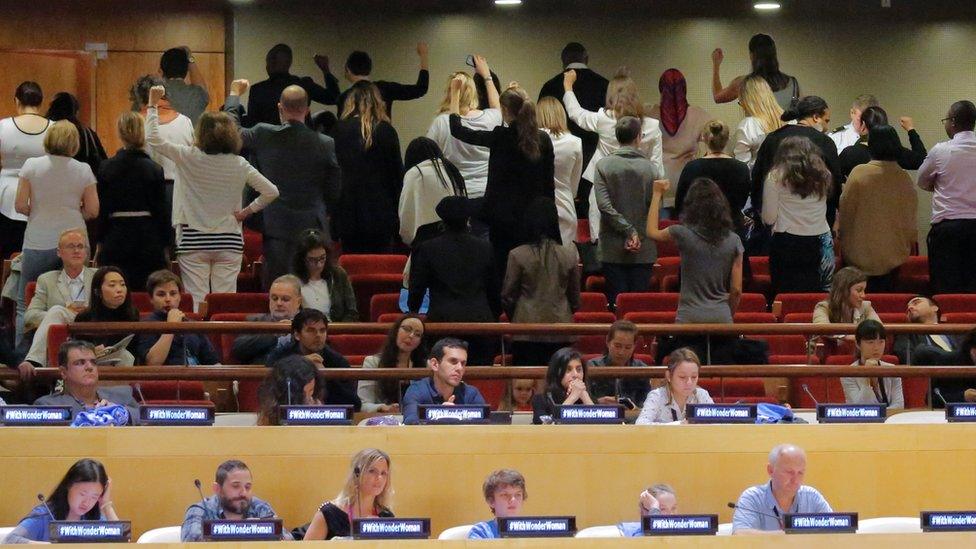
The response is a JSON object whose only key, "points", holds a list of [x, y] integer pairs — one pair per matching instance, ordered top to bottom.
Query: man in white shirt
{"points": [[845, 136], [949, 171], [58, 297]]}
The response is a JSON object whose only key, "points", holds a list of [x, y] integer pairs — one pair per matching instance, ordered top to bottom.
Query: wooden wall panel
{"points": [[54, 71]]}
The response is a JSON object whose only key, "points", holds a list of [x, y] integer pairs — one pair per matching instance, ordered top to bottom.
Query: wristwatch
{"points": [[192, 59]]}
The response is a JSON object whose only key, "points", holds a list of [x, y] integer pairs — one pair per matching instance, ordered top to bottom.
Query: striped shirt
{"points": [[190, 240]]}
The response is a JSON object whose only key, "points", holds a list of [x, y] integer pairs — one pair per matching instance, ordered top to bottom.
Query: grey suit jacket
{"points": [[303, 165], [623, 185], [52, 289], [116, 394]]}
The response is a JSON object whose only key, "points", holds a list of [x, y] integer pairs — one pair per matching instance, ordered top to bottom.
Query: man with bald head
{"points": [[262, 103], [301, 162], [949, 172], [760, 509]]}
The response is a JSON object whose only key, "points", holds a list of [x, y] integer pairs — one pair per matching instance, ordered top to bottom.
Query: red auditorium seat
{"points": [[583, 231], [667, 249], [360, 264], [667, 272], [913, 275], [249, 279], [760, 282], [595, 283], [365, 286], [29, 292], [593, 302], [633, 302], [220, 303], [752, 303], [796, 303], [889, 303], [956, 303], [143, 304], [381, 304], [594, 317], [650, 317], [754, 318], [804, 318], [893, 318], [959, 318], [56, 335], [223, 343], [356, 344], [787, 349], [914, 389], [493, 390], [748, 390], [827, 390], [176, 392]]}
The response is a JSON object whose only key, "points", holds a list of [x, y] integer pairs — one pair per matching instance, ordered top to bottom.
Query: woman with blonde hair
{"points": [[622, 100], [762, 117], [368, 150], [568, 151], [56, 193], [207, 198], [133, 216], [669, 402], [367, 493]]}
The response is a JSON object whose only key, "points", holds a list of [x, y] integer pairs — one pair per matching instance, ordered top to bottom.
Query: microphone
{"points": [[288, 380], [806, 389], [938, 393], [142, 397], [40, 498], [203, 500], [733, 505]]}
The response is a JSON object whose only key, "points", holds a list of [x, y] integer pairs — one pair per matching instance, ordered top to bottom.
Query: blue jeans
{"points": [[33, 264]]}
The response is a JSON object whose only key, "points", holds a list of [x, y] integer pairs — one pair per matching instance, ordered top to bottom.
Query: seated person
{"points": [[325, 285], [165, 291], [58, 297], [110, 301], [284, 302], [846, 302], [309, 332], [870, 340], [621, 343], [403, 348], [925, 349], [76, 359], [447, 361], [293, 380], [565, 384], [959, 389], [518, 396], [669, 402], [504, 492], [85, 493], [367, 493], [659, 499], [232, 500], [760, 509]]}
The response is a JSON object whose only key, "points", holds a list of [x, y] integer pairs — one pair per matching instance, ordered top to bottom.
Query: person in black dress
{"points": [[359, 65], [262, 103], [65, 106], [135, 227], [110, 301], [366, 494]]}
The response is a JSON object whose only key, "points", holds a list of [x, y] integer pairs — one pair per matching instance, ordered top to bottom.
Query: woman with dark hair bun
{"points": [[765, 63], [65, 106], [859, 153], [325, 285], [85, 493]]}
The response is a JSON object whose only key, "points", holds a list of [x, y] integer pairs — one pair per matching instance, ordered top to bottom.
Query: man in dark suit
{"points": [[591, 90], [262, 104], [301, 162], [931, 349]]}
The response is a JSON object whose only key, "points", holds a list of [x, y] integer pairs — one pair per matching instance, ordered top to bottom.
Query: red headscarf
{"points": [[674, 103]]}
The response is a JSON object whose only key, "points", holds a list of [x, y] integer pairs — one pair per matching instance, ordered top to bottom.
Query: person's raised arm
{"points": [[481, 67], [194, 74], [395, 91], [722, 94], [328, 95], [232, 107], [588, 120], [458, 130], [156, 141], [911, 159], [654, 232], [156, 355], [105, 504]]}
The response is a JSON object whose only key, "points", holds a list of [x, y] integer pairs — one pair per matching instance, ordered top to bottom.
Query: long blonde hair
{"points": [[469, 94], [622, 96], [364, 100], [757, 100], [552, 116], [361, 462]]}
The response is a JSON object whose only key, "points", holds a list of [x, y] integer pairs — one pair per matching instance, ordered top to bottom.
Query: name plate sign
{"points": [[960, 411], [720, 413], [852, 413], [175, 414], [434, 414], [594, 414], [35, 415], [315, 415], [948, 521], [820, 523], [680, 525], [537, 527], [391, 528], [242, 530], [88, 531]]}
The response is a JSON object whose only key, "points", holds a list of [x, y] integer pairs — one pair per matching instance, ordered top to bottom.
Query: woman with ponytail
{"points": [[368, 150], [521, 165]]}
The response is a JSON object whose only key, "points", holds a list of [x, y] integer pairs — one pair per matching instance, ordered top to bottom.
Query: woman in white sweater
{"points": [[622, 100], [762, 116], [568, 150], [427, 179], [206, 200]]}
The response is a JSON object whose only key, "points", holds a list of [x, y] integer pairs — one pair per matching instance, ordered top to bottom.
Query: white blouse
{"points": [[749, 136], [568, 150], [470, 160], [422, 191], [790, 213], [315, 295], [858, 390], [658, 409]]}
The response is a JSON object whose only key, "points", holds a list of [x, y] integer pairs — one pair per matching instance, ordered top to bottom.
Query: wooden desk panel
{"points": [[594, 472]]}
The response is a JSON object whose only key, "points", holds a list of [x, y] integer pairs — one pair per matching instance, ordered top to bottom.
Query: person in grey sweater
{"points": [[623, 185]]}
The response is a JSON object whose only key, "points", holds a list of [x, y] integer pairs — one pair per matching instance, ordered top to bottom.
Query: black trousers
{"points": [[952, 256]]}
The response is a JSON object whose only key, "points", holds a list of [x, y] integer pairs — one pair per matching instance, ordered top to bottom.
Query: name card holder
{"points": [[960, 412], [720, 413], [852, 413], [176, 414], [435, 414], [596, 414], [13, 415], [315, 415], [948, 521], [820, 523], [680, 525], [537, 527], [391, 528], [242, 530], [90, 531]]}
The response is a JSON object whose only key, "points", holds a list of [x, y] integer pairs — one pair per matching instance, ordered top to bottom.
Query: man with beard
{"points": [[232, 500]]}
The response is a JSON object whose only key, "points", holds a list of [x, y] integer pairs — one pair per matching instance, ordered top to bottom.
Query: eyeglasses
{"points": [[944, 120], [75, 247], [316, 260], [412, 332]]}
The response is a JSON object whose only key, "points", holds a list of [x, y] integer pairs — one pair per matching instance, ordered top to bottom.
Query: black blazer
{"points": [[394, 91], [591, 92], [262, 103], [908, 159], [131, 182], [458, 270]]}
